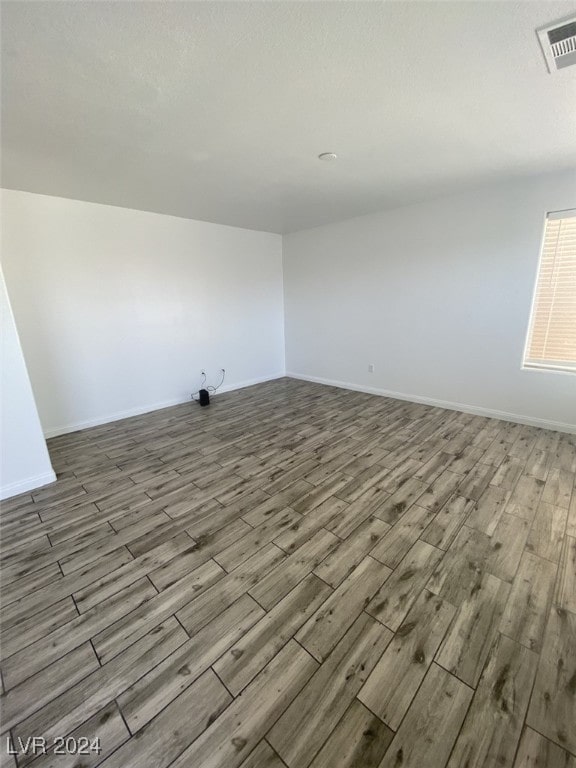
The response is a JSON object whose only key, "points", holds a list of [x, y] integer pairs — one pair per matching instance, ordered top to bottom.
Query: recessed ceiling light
{"points": [[328, 156]]}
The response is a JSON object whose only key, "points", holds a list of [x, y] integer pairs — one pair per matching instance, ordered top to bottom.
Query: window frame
{"points": [[549, 367]]}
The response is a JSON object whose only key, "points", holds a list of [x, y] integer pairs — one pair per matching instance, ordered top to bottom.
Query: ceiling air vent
{"points": [[558, 43]]}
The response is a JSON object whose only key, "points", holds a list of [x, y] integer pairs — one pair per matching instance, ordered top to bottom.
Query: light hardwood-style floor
{"points": [[295, 576]]}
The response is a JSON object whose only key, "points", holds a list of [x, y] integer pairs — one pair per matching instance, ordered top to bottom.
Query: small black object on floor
{"points": [[204, 397]]}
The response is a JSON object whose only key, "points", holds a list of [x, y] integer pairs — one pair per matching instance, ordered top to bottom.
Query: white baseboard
{"points": [[251, 382], [117, 416], [98, 421], [530, 421], [30, 484]]}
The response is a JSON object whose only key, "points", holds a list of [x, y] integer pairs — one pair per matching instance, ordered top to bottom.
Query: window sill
{"points": [[548, 369]]}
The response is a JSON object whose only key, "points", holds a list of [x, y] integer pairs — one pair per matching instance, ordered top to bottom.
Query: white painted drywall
{"points": [[218, 110], [437, 296], [118, 310], [24, 460]]}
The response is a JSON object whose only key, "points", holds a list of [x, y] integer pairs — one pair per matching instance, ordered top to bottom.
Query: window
{"points": [[551, 339]]}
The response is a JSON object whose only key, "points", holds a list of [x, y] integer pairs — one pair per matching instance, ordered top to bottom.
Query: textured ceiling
{"points": [[218, 110]]}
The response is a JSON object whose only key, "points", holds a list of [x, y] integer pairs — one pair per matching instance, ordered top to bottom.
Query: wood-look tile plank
{"points": [[523, 445], [496, 452], [565, 454], [365, 459], [538, 463], [435, 466], [407, 469], [508, 473], [285, 479], [477, 480], [558, 488], [65, 489], [353, 489], [438, 493], [242, 497], [525, 497], [276, 502], [307, 503], [452, 503], [115, 504], [179, 504], [392, 509], [488, 510], [349, 516], [210, 519], [447, 522], [571, 522], [307, 525], [27, 526], [547, 532], [161, 534], [59, 535], [101, 535], [363, 540], [394, 545], [245, 546], [506, 546], [200, 551], [90, 552], [13, 556], [461, 567], [273, 587], [99, 590], [51, 591], [565, 596], [395, 598], [529, 601], [206, 606], [132, 625], [35, 626], [323, 630], [467, 643], [44, 651], [242, 662], [158, 687], [40, 688], [390, 688], [324, 699], [83, 700], [553, 705], [431, 725], [492, 728], [105, 731], [233, 735], [165, 737], [359, 741], [537, 752], [263, 757]]}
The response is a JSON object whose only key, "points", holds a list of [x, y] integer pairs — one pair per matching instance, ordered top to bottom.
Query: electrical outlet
{"points": [[371, 368]]}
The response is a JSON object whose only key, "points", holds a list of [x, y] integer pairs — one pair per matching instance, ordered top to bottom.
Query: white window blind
{"points": [[552, 332]]}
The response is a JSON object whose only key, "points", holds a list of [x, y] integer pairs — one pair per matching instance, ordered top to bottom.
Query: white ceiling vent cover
{"points": [[558, 43]]}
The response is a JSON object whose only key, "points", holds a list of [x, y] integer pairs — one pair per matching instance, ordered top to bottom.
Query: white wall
{"points": [[437, 296], [118, 310], [24, 460]]}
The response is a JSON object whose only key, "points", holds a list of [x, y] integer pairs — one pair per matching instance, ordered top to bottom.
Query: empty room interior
{"points": [[288, 384]]}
